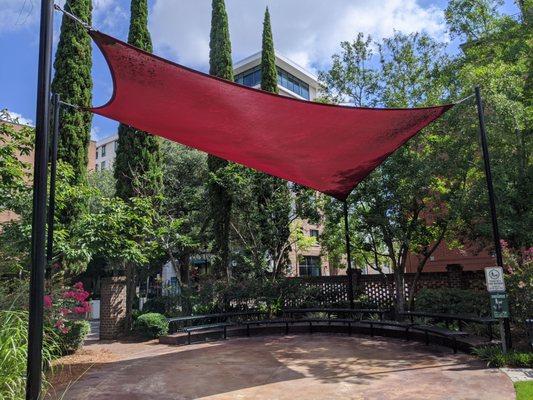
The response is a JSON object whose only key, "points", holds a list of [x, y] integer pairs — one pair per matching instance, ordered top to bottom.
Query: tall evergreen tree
{"points": [[220, 65], [269, 73], [72, 80], [137, 163], [273, 196]]}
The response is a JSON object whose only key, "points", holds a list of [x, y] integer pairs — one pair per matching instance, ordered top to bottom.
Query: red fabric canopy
{"points": [[324, 147]]}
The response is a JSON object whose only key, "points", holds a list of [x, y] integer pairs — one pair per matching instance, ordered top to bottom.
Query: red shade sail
{"points": [[324, 147]]}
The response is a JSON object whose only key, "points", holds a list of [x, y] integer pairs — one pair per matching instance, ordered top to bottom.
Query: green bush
{"points": [[453, 301], [166, 305], [151, 325], [74, 338], [494, 357]]}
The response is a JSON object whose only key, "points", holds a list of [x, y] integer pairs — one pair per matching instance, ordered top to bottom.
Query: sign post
{"points": [[499, 301]]}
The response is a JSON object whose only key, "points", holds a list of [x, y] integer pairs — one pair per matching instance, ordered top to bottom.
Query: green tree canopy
{"points": [[220, 65], [73, 81], [138, 160]]}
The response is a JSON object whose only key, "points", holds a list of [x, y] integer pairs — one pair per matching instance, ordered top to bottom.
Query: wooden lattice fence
{"points": [[378, 291]]}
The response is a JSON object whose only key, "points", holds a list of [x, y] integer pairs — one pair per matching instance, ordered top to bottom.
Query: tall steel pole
{"points": [[56, 101], [38, 234], [348, 255], [506, 339]]}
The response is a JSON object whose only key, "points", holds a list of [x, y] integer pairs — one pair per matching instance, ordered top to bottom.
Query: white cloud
{"points": [[18, 14], [307, 31], [18, 118]]}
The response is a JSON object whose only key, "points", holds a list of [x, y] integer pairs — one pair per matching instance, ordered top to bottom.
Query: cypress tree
{"points": [[220, 65], [269, 73], [72, 80], [137, 164], [273, 196]]}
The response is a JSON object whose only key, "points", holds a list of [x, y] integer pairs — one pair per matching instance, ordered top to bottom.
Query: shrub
{"points": [[519, 282], [453, 301], [167, 305], [151, 325], [75, 335], [494, 357]]}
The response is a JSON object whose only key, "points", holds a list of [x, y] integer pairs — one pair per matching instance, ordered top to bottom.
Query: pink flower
{"points": [[78, 286], [47, 301], [64, 311], [60, 325]]}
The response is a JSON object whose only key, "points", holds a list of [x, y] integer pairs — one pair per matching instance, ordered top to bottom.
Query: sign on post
{"points": [[494, 279], [499, 305]]}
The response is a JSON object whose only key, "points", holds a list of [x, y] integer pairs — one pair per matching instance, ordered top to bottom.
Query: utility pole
{"points": [[38, 233]]}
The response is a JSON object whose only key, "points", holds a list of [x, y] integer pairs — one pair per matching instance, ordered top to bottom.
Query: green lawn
{"points": [[524, 390]]}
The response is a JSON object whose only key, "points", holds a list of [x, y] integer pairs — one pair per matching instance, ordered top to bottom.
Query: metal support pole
{"points": [[56, 101], [38, 234], [348, 256], [506, 339]]}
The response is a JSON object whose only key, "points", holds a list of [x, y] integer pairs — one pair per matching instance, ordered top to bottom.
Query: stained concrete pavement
{"points": [[310, 367]]}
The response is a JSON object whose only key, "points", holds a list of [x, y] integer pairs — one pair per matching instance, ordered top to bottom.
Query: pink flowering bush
{"points": [[64, 312]]}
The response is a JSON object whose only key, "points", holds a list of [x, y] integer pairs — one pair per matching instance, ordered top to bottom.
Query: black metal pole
{"points": [[56, 101], [492, 202], [38, 234], [348, 256]]}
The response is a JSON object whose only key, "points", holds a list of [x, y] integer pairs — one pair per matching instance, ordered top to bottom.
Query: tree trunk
{"points": [[420, 267], [399, 280]]}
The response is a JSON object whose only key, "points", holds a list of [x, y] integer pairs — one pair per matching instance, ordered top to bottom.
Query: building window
{"points": [[252, 77], [292, 83], [103, 150], [97, 152], [102, 166], [96, 167], [313, 233], [309, 266]]}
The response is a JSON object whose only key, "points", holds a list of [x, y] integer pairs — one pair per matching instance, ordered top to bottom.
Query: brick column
{"points": [[455, 276], [112, 307]]}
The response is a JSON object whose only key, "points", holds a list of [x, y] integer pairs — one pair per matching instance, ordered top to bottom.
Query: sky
{"points": [[307, 31]]}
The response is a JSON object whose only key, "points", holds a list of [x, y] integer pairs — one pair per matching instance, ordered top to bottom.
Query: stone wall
{"points": [[112, 307]]}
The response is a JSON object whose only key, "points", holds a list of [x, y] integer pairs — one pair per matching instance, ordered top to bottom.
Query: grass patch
{"points": [[524, 390]]}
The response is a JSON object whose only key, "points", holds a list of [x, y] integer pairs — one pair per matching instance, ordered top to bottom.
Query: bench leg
{"points": [[310, 327], [286, 328], [349, 329], [247, 330], [371, 330], [225, 333], [407, 334], [426, 335], [188, 337], [454, 345]]}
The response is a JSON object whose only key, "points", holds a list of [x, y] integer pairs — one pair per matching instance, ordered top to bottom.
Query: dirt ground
{"points": [[277, 368]]}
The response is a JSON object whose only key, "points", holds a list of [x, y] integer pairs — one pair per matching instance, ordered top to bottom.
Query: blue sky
{"points": [[307, 31]]}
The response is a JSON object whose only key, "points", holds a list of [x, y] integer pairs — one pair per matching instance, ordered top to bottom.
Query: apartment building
{"points": [[105, 153]]}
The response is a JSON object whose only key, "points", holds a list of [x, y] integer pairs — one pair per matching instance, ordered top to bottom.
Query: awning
{"points": [[325, 147]]}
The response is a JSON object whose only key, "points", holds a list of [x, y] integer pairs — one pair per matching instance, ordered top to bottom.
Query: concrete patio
{"points": [[290, 367]]}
